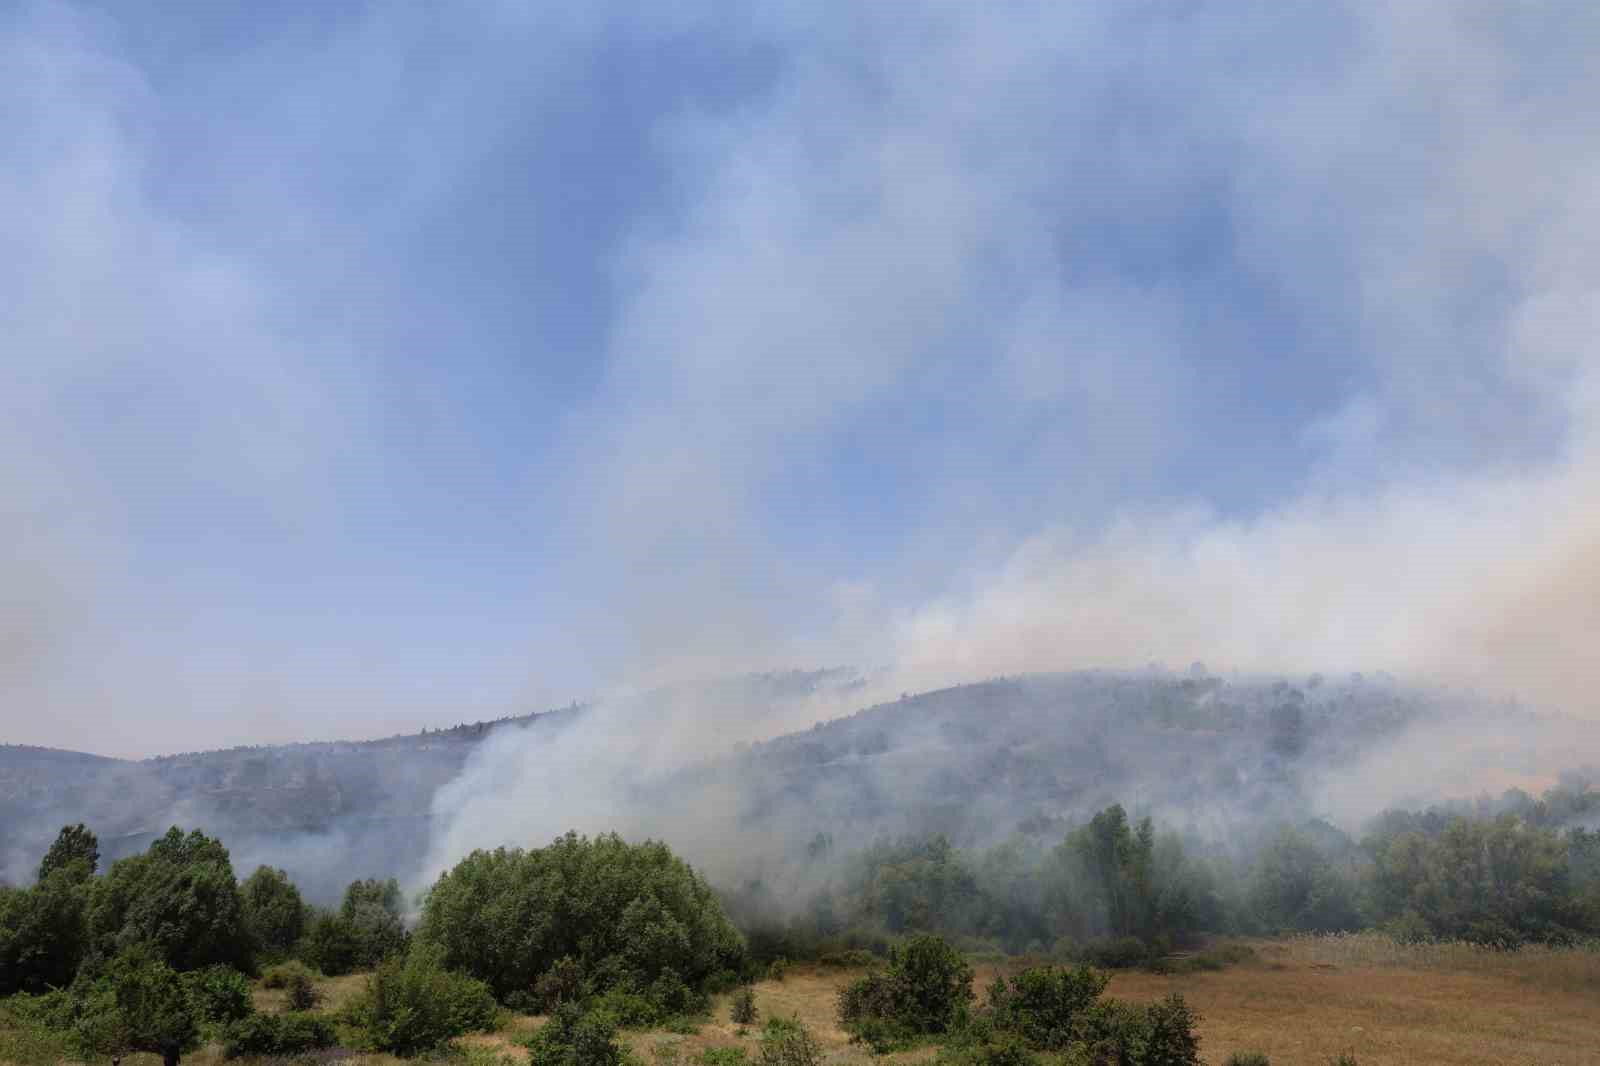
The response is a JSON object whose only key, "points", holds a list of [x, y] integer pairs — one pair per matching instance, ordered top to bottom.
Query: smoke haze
{"points": [[368, 372]]}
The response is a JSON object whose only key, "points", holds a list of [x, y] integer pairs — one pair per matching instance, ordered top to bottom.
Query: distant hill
{"points": [[976, 762]]}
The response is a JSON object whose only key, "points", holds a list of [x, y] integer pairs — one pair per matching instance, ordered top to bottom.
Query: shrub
{"points": [[372, 913], [626, 913], [330, 944], [1116, 953], [281, 975], [561, 983], [925, 986], [302, 994], [218, 995], [137, 1003], [1043, 1003], [411, 1004], [627, 1009], [743, 1009], [277, 1034], [1146, 1034], [573, 1037], [789, 1045], [1002, 1051], [723, 1056], [1247, 1058]]}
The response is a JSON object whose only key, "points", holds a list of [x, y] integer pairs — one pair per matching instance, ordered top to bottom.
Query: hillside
{"points": [[976, 762]]}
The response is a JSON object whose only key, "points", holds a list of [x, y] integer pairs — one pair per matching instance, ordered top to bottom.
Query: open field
{"points": [[1302, 1001]]}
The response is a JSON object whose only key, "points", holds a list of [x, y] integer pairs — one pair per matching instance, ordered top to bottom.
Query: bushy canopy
{"points": [[180, 897], [273, 911], [629, 915]]}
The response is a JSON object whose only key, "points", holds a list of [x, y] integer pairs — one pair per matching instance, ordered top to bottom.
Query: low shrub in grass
{"points": [[1115, 953], [279, 976], [925, 989], [301, 993], [218, 995], [411, 1004], [1042, 1004], [742, 1011], [294, 1033], [1141, 1034], [574, 1037], [25, 1038], [785, 1042], [1002, 1050], [723, 1056], [1247, 1058]]}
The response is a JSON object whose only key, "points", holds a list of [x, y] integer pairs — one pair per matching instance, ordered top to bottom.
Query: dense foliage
{"points": [[180, 897], [273, 911], [629, 917], [412, 1004], [574, 1037]]}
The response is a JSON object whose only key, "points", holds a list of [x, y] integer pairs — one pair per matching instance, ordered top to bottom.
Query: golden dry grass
{"points": [[1306, 1000], [1301, 1001]]}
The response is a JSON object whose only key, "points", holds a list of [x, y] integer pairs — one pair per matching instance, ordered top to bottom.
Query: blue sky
{"points": [[371, 366]]}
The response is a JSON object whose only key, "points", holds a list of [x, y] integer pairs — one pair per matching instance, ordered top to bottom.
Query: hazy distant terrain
{"points": [[977, 762]]}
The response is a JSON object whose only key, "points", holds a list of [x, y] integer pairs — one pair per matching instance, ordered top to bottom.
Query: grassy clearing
{"points": [[1309, 999], [1302, 1001]]}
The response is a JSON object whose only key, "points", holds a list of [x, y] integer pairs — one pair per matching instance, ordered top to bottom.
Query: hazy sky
{"points": [[371, 366]]}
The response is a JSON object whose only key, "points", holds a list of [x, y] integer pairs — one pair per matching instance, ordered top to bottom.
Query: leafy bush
{"points": [[180, 897], [372, 912], [626, 913], [43, 934], [330, 944], [281, 975], [561, 983], [926, 983], [302, 994], [218, 995], [137, 1003], [411, 1004], [1042, 1004], [743, 1009], [628, 1010], [277, 1034], [1145, 1034], [573, 1037], [25, 1040], [789, 1044], [1003, 1050], [723, 1056], [1247, 1058]]}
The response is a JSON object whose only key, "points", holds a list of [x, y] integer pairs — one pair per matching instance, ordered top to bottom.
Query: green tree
{"points": [[75, 848], [1490, 880], [1296, 887], [180, 896], [274, 912], [373, 912], [628, 914], [43, 935], [330, 944], [926, 985], [138, 1003], [412, 1004]]}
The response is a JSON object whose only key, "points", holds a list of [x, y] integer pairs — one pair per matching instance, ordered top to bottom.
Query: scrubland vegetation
{"points": [[1100, 949]]}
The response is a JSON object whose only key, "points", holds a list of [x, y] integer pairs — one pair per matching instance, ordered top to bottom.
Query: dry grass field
{"points": [[1301, 1001]]}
